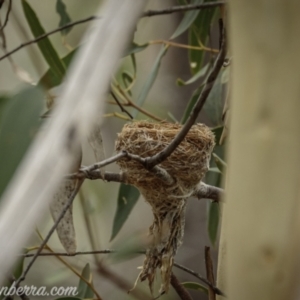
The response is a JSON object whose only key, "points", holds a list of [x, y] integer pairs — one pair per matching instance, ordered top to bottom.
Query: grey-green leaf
{"points": [[64, 16], [188, 19], [199, 31], [45, 46], [151, 78], [194, 78], [50, 79], [191, 104], [20, 121], [127, 198], [213, 221], [195, 286], [84, 291]]}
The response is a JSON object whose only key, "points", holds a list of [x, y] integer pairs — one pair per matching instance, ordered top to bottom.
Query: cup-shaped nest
{"points": [[186, 166]]}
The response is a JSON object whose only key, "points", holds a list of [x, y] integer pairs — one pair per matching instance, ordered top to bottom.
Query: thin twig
{"points": [[182, 8], [7, 15], [39, 38], [200, 48], [129, 102], [120, 105], [161, 156], [206, 191], [59, 218], [105, 251], [209, 273], [204, 280], [179, 288]]}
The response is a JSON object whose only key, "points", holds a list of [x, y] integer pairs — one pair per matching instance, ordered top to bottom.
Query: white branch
{"points": [[81, 104]]}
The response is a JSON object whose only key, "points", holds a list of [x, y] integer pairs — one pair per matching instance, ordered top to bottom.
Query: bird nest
{"points": [[186, 166]]}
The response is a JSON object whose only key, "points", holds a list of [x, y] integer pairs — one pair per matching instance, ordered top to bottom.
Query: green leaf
{"points": [[64, 16], [187, 20], [199, 32], [45, 46], [135, 48], [151, 78], [49, 79], [127, 79], [193, 79], [191, 104], [213, 105], [20, 121], [218, 133], [221, 164], [127, 198], [213, 221], [18, 269], [195, 286], [84, 291]]}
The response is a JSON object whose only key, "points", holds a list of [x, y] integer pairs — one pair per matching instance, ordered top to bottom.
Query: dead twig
{"points": [[182, 8], [7, 15], [120, 105], [150, 162], [206, 191], [45, 241], [209, 273], [204, 280], [179, 288]]}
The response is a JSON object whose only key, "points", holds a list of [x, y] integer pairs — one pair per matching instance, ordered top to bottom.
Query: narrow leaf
{"points": [[64, 16], [187, 20], [198, 33], [45, 46], [135, 48], [151, 78], [50, 79], [127, 79], [193, 79], [191, 104], [213, 105], [20, 121], [218, 133], [221, 164], [127, 198], [213, 221], [195, 286], [84, 291], [69, 298]]}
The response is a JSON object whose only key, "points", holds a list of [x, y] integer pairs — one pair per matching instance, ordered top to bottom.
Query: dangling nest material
{"points": [[187, 165]]}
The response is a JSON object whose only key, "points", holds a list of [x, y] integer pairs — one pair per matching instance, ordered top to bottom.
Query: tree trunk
{"points": [[262, 213]]}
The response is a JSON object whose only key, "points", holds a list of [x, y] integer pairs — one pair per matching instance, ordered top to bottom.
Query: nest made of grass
{"points": [[187, 164]]}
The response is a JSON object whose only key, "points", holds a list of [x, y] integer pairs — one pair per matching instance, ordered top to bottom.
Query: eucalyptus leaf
{"points": [[64, 16], [188, 19], [199, 33], [45, 46], [151, 78], [194, 78], [49, 79], [19, 123], [127, 198], [213, 221], [195, 286], [84, 291]]}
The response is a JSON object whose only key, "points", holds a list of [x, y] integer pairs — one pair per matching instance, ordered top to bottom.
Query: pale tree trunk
{"points": [[261, 215]]}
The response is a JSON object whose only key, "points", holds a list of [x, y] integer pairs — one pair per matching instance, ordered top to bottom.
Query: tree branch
{"points": [[182, 8], [7, 15], [39, 38], [121, 106], [150, 162], [206, 191], [45, 241], [209, 273], [204, 280], [179, 288]]}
